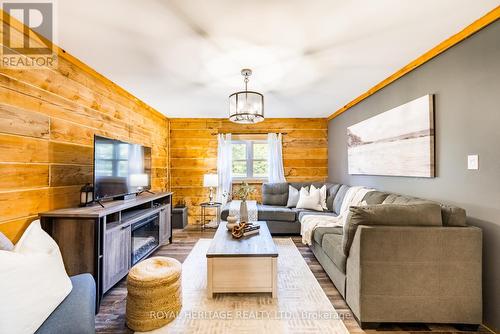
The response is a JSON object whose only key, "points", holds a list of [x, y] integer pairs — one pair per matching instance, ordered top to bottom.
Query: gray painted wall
{"points": [[466, 82]]}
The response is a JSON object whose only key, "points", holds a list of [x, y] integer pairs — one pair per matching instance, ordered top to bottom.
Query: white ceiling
{"points": [[183, 57]]}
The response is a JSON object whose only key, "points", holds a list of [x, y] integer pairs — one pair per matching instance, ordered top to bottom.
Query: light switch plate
{"points": [[473, 162]]}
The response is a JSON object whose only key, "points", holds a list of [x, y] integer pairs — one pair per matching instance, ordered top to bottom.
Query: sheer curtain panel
{"points": [[275, 158], [224, 167]]}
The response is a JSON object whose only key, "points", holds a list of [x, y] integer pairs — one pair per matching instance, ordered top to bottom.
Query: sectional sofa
{"points": [[283, 220], [412, 269], [76, 313]]}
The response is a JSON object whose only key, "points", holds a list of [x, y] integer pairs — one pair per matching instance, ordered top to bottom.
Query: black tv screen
{"points": [[120, 168]]}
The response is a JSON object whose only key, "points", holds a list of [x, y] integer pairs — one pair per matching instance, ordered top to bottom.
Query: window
{"points": [[112, 159], [249, 159]]}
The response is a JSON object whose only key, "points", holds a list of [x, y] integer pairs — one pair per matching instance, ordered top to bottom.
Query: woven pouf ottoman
{"points": [[154, 293]]}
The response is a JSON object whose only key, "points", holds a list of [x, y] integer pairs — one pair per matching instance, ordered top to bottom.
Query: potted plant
{"points": [[242, 193]]}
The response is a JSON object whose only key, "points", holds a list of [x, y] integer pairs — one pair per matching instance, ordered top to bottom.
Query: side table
{"points": [[206, 205]]}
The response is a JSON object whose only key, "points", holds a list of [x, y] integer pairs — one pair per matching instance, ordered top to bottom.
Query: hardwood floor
{"points": [[111, 318]]}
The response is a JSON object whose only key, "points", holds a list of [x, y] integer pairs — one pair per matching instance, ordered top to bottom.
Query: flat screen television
{"points": [[120, 168]]}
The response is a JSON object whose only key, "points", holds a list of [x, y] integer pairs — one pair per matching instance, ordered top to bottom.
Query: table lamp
{"points": [[211, 181]]}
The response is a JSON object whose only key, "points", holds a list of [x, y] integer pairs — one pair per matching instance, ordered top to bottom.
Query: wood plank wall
{"points": [[48, 118], [193, 152]]}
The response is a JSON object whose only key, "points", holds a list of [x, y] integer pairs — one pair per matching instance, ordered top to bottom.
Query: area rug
{"points": [[301, 306]]}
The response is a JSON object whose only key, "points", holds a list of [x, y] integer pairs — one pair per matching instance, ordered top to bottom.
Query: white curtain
{"points": [[275, 158], [224, 167]]}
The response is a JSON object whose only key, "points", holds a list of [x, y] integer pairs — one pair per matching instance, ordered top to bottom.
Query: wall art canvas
{"points": [[398, 142]]}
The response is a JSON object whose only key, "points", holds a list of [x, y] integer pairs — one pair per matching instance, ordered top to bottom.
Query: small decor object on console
{"points": [[242, 193], [86, 195], [243, 211], [232, 221], [244, 229], [251, 230]]}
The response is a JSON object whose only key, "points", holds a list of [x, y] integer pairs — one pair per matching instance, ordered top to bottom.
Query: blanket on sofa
{"points": [[253, 213], [309, 223]]}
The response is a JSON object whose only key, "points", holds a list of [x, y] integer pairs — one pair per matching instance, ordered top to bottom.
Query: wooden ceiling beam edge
{"points": [[471, 29], [77, 62]]}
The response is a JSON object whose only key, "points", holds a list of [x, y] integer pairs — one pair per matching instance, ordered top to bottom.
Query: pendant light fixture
{"points": [[246, 107]]}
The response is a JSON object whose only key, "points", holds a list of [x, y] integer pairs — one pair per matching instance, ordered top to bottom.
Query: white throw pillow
{"points": [[322, 196], [293, 197], [309, 200], [5, 243], [33, 281]]}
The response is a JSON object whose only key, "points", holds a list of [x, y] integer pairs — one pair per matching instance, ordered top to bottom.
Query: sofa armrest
{"points": [[415, 274], [76, 313]]}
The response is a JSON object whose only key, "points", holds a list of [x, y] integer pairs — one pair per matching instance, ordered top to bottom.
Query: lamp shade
{"points": [[246, 107], [139, 180], [210, 180]]}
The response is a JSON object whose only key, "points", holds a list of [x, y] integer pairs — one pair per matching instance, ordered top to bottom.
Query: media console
{"points": [[107, 241]]}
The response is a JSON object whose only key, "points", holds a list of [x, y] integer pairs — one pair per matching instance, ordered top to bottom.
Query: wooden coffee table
{"points": [[248, 264]]}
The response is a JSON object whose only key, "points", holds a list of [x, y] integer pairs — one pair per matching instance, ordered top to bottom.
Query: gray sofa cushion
{"points": [[331, 192], [275, 193], [339, 197], [375, 197], [402, 199], [274, 212], [304, 212], [420, 214], [451, 215], [281, 227], [319, 232], [332, 245], [76, 313]]}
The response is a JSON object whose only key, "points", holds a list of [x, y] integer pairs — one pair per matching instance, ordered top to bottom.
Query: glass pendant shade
{"points": [[246, 107]]}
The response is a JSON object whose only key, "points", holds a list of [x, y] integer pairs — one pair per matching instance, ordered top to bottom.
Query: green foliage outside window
{"points": [[249, 159]]}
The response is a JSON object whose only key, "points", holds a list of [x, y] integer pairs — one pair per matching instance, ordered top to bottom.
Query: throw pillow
{"points": [[322, 196], [293, 197], [309, 200], [424, 214], [5, 243], [33, 280]]}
